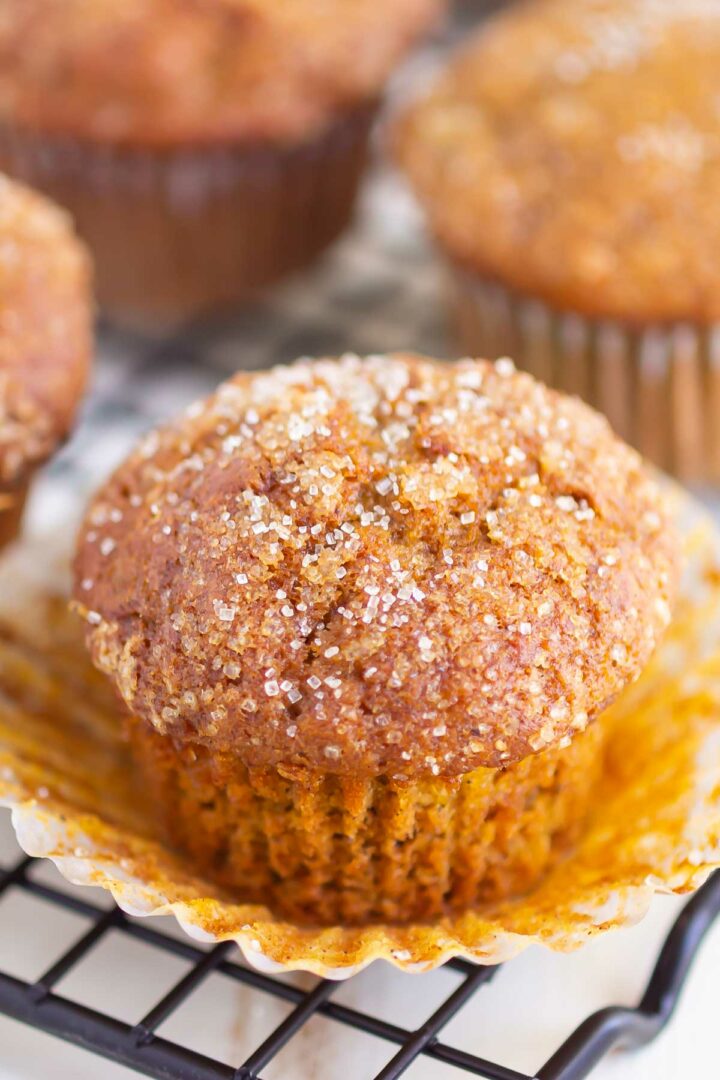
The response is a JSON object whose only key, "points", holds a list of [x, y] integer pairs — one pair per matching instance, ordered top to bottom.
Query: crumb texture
{"points": [[174, 71], [572, 151], [45, 329], [389, 565], [333, 849]]}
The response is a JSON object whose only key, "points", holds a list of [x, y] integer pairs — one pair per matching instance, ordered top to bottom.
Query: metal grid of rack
{"points": [[139, 1046]]}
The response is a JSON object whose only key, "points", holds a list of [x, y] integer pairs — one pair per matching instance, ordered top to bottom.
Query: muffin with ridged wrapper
{"points": [[204, 148], [569, 165], [46, 315], [366, 615]]}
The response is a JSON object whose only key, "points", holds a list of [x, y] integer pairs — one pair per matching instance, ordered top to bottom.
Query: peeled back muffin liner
{"points": [[180, 232], [659, 385], [654, 826]]}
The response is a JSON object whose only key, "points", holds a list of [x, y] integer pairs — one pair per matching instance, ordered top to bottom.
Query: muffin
{"points": [[205, 149], [568, 161], [45, 339], [365, 615]]}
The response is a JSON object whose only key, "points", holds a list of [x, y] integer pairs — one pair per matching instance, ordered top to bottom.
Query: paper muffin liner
{"points": [[178, 233], [659, 385], [12, 505], [655, 825]]}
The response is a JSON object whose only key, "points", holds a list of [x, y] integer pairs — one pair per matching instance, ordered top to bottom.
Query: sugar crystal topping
{"points": [[571, 151], [45, 320], [390, 564]]}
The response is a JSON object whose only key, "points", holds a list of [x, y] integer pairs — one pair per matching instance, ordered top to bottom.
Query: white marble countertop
{"points": [[519, 1019]]}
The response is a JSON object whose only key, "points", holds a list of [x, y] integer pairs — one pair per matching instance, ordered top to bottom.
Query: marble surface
{"points": [[519, 1019]]}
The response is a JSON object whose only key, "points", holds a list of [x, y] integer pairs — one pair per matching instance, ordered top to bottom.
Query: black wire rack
{"points": [[141, 1048]]}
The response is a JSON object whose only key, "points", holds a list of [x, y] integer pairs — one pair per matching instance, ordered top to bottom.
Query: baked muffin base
{"points": [[180, 233], [658, 385], [12, 505], [66, 772], [324, 849]]}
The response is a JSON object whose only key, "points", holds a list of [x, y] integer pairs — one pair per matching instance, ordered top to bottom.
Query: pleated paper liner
{"points": [[178, 234], [658, 385], [66, 774]]}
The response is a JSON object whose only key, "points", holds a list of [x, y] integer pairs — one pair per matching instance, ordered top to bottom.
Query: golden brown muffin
{"points": [[204, 147], [569, 164], [45, 339], [367, 609]]}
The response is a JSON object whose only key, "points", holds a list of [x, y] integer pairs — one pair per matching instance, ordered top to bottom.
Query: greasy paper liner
{"points": [[178, 233], [659, 385], [12, 505], [65, 771]]}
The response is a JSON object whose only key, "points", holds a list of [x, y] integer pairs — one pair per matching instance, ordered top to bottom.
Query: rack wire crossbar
{"points": [[139, 1046]]}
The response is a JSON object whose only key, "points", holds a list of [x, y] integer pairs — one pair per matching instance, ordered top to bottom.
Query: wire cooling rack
{"points": [[139, 1046]]}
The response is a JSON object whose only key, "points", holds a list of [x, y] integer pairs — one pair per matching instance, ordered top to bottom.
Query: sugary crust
{"points": [[168, 72], [571, 151], [45, 328], [383, 566]]}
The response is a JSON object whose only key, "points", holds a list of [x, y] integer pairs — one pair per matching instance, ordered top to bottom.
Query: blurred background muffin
{"points": [[205, 147], [568, 161], [46, 313], [367, 615]]}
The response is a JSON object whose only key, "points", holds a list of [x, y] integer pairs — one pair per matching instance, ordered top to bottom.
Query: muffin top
{"points": [[163, 72], [572, 151], [45, 328], [390, 565]]}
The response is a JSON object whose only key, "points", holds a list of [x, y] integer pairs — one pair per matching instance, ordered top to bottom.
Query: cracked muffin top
{"points": [[162, 72], [572, 151], [46, 314], [391, 565]]}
